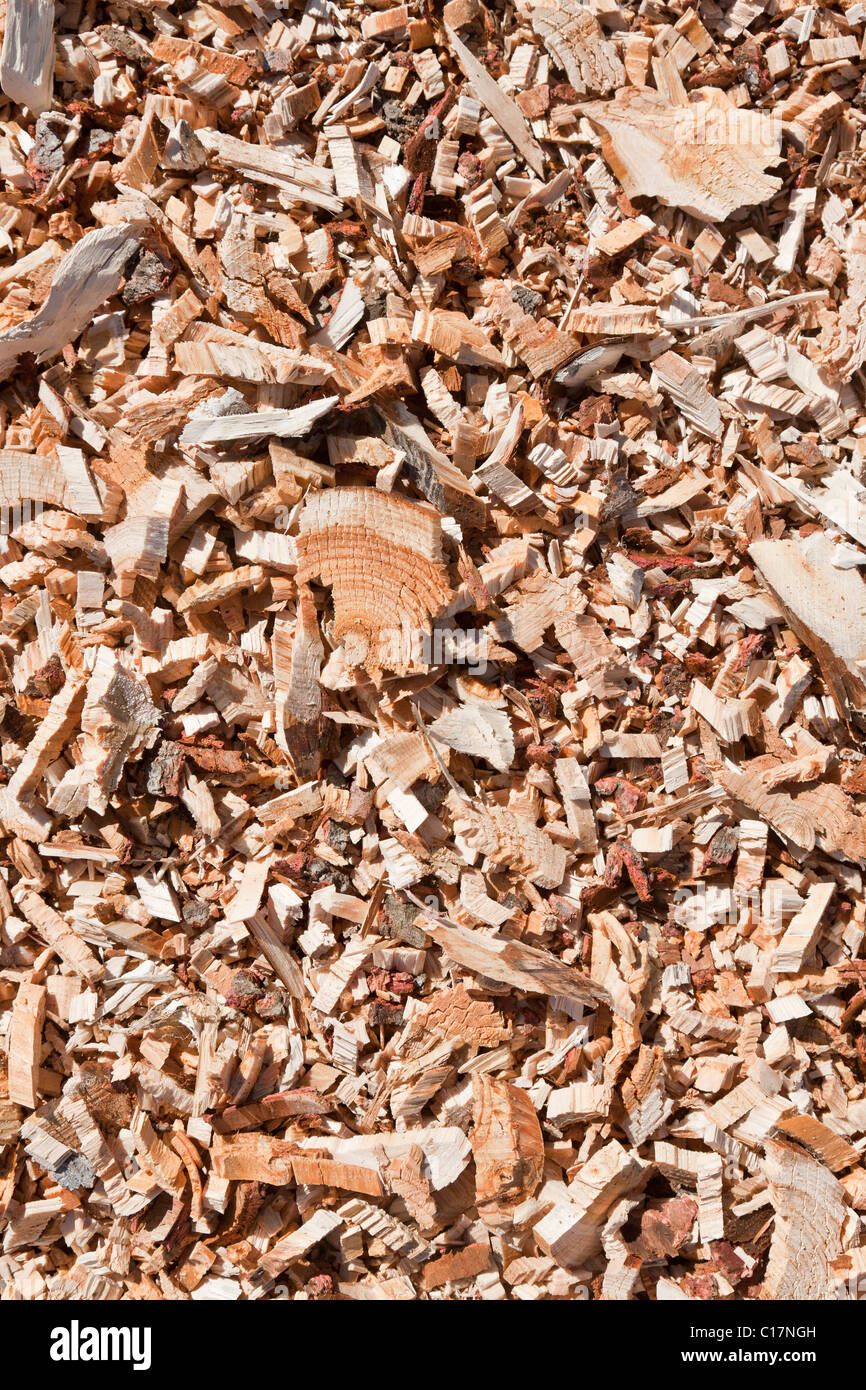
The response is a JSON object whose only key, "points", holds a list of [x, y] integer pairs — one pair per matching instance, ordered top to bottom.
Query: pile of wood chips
{"points": [[432, 650]]}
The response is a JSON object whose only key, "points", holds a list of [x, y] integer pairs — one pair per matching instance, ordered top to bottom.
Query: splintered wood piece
{"points": [[386, 24], [574, 39], [27, 55], [504, 111], [707, 157], [300, 179], [88, 275], [613, 319], [453, 335], [537, 341], [208, 351], [689, 391], [283, 424], [64, 482], [210, 593], [827, 606], [297, 681], [731, 719], [119, 721], [479, 729], [53, 735], [401, 758], [577, 802], [510, 839], [477, 902], [803, 930], [60, 937], [513, 963], [456, 1014], [25, 1045], [645, 1097], [578, 1102], [822, 1143], [445, 1148], [508, 1148], [253, 1158], [324, 1172], [406, 1177], [708, 1189], [813, 1224], [378, 1225], [571, 1231], [293, 1247], [457, 1265]]}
